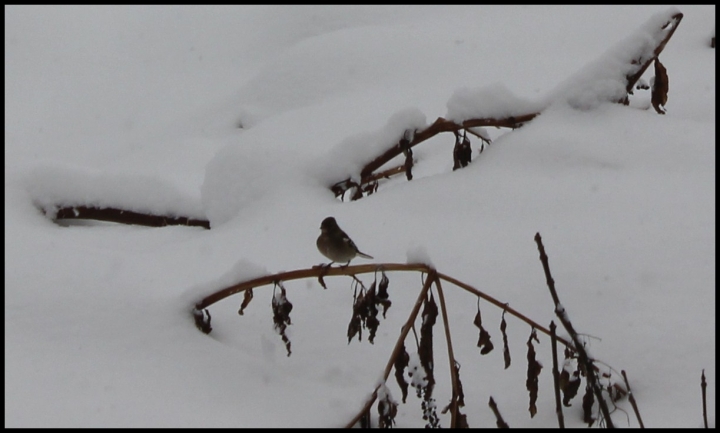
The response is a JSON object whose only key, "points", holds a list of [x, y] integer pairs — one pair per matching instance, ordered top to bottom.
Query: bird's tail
{"points": [[364, 255]]}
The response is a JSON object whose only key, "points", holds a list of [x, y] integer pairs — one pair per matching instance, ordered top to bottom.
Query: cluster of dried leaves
{"points": [[365, 302], [281, 308]]}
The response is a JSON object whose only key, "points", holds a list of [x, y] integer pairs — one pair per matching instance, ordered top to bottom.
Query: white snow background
{"points": [[140, 107]]}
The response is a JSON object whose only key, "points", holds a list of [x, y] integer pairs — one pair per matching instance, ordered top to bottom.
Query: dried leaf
{"points": [[660, 87], [462, 152], [322, 281], [382, 296], [247, 297], [365, 311], [281, 314], [356, 321], [201, 322], [484, 342], [506, 347], [425, 352], [401, 362], [533, 372], [569, 384], [461, 394], [387, 408], [500, 421]]}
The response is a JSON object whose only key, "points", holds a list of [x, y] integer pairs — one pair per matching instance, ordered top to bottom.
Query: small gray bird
{"points": [[335, 244]]}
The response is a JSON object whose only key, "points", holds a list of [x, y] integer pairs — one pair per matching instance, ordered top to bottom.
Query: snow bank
{"points": [[56, 186]]}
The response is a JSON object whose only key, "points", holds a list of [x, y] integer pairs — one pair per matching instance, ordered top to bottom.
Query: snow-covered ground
{"points": [[245, 115]]}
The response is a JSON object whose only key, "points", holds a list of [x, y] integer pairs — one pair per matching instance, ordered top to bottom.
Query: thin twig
{"points": [[502, 305], [398, 345], [451, 357], [583, 357], [556, 376], [703, 386], [631, 397]]}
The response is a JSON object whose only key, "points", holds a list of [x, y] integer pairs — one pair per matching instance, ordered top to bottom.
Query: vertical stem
{"points": [[432, 275], [451, 356], [583, 357], [556, 377], [703, 386], [631, 397]]}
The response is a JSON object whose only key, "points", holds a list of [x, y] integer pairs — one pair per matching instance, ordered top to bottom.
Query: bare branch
{"points": [[126, 217]]}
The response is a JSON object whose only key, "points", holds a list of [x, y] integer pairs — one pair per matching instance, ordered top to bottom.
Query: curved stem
{"points": [[451, 357]]}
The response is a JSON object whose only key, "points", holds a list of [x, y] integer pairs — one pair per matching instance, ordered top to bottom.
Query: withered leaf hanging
{"points": [[660, 87], [382, 296], [247, 297], [371, 311], [281, 314], [364, 314], [355, 325], [484, 342], [506, 348], [425, 352], [401, 362], [533, 372], [569, 380], [387, 408], [500, 421]]}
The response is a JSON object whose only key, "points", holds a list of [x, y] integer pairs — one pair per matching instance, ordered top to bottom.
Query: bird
{"points": [[335, 244]]}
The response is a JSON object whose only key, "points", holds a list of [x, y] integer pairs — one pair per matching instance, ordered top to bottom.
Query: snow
{"points": [[493, 102], [245, 115]]}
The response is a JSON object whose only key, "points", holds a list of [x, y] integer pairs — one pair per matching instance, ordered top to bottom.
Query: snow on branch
{"points": [[610, 78]]}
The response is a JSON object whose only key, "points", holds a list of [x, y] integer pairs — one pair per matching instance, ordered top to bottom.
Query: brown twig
{"points": [[440, 125], [126, 217], [315, 271], [501, 305], [398, 345], [451, 357], [583, 357], [556, 376], [703, 386], [631, 397]]}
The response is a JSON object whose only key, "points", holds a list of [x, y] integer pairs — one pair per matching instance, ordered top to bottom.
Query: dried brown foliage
{"points": [[660, 88], [462, 152], [247, 297], [281, 308], [365, 308], [365, 311], [484, 342], [506, 348], [425, 352], [400, 364], [533, 372], [569, 383], [387, 409], [500, 421]]}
